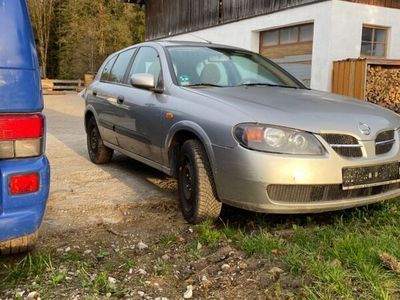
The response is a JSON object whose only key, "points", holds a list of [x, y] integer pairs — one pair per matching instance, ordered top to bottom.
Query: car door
{"points": [[109, 92], [98, 99], [140, 110]]}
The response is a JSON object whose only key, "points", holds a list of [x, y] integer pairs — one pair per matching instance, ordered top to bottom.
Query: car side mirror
{"points": [[143, 80]]}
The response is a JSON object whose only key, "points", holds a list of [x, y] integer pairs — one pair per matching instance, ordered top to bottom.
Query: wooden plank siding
{"points": [[234, 10], [171, 17]]}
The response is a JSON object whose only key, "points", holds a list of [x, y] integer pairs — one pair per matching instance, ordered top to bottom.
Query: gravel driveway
{"points": [[82, 193]]}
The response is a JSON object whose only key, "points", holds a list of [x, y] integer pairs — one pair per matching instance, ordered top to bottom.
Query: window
{"points": [[288, 35], [373, 41], [291, 48], [147, 61], [223, 67], [107, 69], [118, 70]]}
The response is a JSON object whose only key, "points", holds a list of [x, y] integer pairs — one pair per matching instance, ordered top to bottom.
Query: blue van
{"points": [[24, 169]]}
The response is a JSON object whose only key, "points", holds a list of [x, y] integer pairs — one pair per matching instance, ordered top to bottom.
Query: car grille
{"points": [[384, 142], [344, 145], [317, 193]]}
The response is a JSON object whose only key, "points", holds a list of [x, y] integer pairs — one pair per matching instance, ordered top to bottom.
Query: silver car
{"points": [[235, 128]]}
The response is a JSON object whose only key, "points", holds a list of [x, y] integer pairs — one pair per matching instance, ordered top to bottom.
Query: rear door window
{"points": [[107, 69], [118, 71]]}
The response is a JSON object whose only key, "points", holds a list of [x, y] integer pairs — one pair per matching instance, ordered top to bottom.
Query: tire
{"points": [[98, 152], [197, 193], [19, 245]]}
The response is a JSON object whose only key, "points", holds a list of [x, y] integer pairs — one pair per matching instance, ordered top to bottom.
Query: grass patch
{"points": [[208, 234], [169, 239], [259, 243], [339, 253], [31, 266], [162, 267]]}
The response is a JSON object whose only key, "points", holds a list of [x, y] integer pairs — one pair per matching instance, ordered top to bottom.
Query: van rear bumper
{"points": [[22, 215]]}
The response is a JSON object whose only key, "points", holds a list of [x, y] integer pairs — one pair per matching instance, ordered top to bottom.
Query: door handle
{"points": [[94, 93], [120, 99]]}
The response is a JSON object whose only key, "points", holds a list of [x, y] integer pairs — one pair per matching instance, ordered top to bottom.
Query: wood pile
{"points": [[47, 86], [383, 86], [57, 87]]}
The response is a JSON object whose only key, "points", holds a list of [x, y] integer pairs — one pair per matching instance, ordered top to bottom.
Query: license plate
{"points": [[360, 177]]}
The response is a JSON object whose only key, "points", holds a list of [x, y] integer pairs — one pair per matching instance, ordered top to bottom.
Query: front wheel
{"points": [[98, 152], [197, 195]]}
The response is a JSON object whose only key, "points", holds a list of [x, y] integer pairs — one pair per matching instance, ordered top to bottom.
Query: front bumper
{"points": [[242, 177], [21, 215]]}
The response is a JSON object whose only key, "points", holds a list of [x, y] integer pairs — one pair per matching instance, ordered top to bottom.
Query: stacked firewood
{"points": [[383, 86]]}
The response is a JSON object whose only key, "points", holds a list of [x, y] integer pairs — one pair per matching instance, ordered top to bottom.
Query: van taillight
{"points": [[21, 135], [23, 184]]}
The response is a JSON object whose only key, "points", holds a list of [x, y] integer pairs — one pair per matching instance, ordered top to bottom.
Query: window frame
{"points": [[298, 41], [372, 42], [116, 56], [105, 64], [160, 83]]}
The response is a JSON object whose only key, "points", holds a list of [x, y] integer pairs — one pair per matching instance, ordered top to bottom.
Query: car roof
{"points": [[168, 43], [172, 43]]}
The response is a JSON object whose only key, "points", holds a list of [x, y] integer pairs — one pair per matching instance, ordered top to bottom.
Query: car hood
{"points": [[308, 110]]}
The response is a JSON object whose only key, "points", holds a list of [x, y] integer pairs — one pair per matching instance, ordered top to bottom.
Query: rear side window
{"points": [[120, 66], [106, 71]]}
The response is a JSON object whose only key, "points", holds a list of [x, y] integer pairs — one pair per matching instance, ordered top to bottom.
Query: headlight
{"points": [[277, 139]]}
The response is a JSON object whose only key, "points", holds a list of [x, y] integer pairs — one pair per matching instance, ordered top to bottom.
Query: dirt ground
{"points": [[84, 194], [99, 217], [115, 231]]}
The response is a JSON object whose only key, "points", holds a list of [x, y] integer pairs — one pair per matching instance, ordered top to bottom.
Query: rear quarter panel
{"points": [[20, 89]]}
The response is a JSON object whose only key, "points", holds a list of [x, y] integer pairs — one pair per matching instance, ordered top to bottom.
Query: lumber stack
{"points": [[47, 86], [383, 86]]}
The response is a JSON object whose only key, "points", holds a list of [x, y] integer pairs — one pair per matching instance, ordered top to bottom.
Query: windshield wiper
{"points": [[202, 84], [270, 84]]}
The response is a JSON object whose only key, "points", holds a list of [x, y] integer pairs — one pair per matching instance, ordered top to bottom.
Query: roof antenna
{"points": [[200, 38]]}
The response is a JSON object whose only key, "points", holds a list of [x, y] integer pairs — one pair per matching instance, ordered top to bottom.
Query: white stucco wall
{"points": [[337, 32]]}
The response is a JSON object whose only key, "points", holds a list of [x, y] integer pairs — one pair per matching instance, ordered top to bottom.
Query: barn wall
{"points": [[170, 17]]}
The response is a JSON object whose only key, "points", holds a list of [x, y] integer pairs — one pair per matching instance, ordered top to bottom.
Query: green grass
{"points": [[208, 234], [169, 239], [261, 243], [340, 253], [31, 266], [44, 270]]}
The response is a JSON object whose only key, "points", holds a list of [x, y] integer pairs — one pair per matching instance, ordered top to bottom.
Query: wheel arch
{"points": [[89, 113], [181, 132]]}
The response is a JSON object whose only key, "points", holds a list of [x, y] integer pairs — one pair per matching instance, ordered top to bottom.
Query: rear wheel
{"points": [[98, 152], [197, 195], [18, 245]]}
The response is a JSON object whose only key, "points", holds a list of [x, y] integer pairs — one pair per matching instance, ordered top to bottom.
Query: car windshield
{"points": [[219, 67]]}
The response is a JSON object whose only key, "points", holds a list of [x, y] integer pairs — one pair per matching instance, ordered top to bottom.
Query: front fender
{"points": [[197, 130]]}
